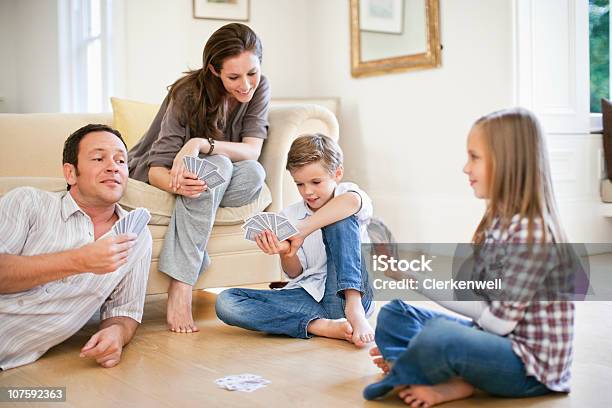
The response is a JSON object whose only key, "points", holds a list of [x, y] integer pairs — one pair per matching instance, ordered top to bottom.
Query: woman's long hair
{"points": [[199, 97], [519, 174]]}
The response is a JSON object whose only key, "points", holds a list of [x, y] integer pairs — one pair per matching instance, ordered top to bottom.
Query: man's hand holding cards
{"points": [[204, 171], [133, 222], [107, 254]]}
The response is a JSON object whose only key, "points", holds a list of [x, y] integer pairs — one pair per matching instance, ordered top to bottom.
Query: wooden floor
{"points": [[164, 369]]}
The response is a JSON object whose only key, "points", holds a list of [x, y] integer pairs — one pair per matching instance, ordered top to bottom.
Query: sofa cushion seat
{"points": [[139, 194]]}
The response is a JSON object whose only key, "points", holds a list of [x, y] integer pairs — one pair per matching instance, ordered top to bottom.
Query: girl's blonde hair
{"points": [[519, 174]]}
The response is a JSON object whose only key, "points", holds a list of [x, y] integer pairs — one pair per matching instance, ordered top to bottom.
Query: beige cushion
{"points": [[132, 118], [31, 144], [606, 191], [139, 194]]}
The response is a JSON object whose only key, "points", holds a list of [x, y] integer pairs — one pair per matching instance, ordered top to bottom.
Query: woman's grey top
{"points": [[166, 135]]}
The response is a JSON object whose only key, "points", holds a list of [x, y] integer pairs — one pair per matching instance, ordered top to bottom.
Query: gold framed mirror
{"points": [[394, 35]]}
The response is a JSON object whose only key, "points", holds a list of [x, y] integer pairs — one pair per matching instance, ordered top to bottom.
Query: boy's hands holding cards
{"points": [[271, 232], [269, 243]]}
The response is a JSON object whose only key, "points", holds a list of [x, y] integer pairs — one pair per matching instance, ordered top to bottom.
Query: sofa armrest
{"points": [[287, 122]]}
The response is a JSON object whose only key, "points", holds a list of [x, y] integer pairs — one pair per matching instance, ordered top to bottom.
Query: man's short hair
{"points": [[71, 145], [312, 148]]}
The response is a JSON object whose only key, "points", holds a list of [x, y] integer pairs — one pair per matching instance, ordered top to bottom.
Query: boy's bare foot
{"points": [[178, 308], [334, 329], [362, 331], [379, 360], [430, 395]]}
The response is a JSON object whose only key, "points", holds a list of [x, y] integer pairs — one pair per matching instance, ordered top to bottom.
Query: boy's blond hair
{"points": [[313, 148]]}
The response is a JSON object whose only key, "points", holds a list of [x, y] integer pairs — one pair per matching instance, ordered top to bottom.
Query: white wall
{"points": [[35, 37], [163, 40], [8, 55], [29, 73], [404, 134]]}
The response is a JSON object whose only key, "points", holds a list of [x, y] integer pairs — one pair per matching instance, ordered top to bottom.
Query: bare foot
{"points": [[178, 309], [334, 329], [362, 331], [380, 362], [430, 395]]}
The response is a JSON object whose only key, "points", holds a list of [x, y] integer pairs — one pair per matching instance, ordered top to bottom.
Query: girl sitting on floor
{"points": [[518, 347]]}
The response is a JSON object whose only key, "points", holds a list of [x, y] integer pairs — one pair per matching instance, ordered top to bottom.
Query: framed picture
{"points": [[235, 10], [381, 16]]}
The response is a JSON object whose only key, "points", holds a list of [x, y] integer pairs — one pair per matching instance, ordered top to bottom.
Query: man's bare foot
{"points": [[178, 308], [334, 329], [380, 362], [430, 395]]}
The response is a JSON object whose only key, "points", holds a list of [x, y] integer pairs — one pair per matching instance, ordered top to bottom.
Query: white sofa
{"points": [[31, 155]]}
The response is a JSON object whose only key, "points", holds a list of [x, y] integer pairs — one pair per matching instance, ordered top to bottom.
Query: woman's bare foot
{"points": [[178, 308], [334, 329], [362, 331], [380, 362], [430, 395]]}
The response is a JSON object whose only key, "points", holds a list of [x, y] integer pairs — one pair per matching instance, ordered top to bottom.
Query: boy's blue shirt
{"points": [[312, 253]]}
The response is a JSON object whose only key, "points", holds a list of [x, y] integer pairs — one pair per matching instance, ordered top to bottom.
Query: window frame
{"points": [[75, 38]]}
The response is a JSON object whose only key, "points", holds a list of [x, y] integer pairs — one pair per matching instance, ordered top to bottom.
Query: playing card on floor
{"points": [[133, 222], [242, 382]]}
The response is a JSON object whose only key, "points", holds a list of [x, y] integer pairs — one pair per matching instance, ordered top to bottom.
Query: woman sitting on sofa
{"points": [[219, 111]]}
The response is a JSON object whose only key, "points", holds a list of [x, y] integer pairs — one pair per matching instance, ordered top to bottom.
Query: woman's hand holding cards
{"points": [[191, 148], [189, 185]]}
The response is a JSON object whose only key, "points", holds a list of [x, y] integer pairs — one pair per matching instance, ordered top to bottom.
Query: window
{"points": [[599, 45], [87, 58]]}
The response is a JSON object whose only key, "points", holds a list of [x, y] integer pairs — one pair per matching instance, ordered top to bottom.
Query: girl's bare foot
{"points": [[178, 308], [334, 329], [379, 360], [417, 396]]}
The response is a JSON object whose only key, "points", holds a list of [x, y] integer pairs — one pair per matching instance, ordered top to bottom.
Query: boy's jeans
{"points": [[290, 311], [426, 347]]}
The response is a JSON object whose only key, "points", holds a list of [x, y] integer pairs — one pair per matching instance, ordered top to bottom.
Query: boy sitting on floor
{"points": [[328, 293]]}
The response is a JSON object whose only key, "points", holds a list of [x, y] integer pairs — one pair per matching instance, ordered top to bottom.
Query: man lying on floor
{"points": [[61, 262]]}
